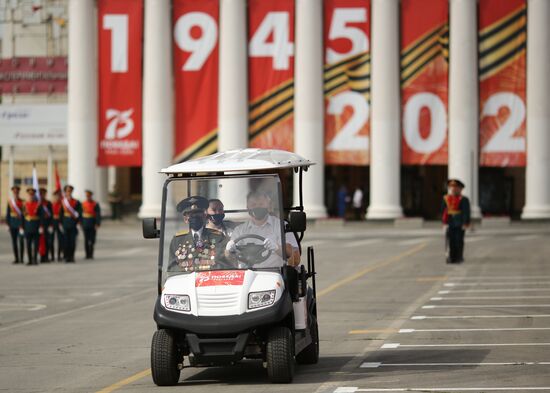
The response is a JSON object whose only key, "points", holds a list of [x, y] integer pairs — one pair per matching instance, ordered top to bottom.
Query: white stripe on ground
{"points": [[364, 242], [411, 242], [510, 277], [478, 284], [495, 290], [437, 299], [431, 306], [422, 317], [471, 330], [398, 345], [380, 364], [435, 389]]}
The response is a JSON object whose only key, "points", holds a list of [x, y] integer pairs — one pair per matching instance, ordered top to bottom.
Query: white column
{"points": [[233, 75], [233, 90], [82, 96], [463, 99], [309, 103], [158, 129], [385, 151], [11, 167], [112, 178], [51, 180], [537, 186], [101, 192]]}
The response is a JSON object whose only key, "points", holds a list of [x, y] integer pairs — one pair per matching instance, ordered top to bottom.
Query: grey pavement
{"points": [[393, 316]]}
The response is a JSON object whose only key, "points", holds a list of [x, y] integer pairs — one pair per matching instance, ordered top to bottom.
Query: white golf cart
{"points": [[228, 295]]}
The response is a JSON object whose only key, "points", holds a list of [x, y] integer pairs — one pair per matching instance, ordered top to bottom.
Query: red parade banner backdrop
{"points": [[196, 31], [502, 69], [120, 70], [271, 73], [347, 81], [424, 81]]}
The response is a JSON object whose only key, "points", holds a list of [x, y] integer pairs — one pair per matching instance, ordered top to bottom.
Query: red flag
{"points": [[57, 181]]}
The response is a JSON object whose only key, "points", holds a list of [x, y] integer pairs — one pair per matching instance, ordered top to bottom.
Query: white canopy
{"points": [[240, 160]]}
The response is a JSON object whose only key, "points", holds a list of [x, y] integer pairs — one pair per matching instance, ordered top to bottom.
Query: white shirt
{"points": [[358, 198], [271, 229], [199, 232]]}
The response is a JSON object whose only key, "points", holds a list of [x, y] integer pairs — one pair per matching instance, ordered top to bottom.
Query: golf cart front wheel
{"points": [[280, 355], [164, 359]]}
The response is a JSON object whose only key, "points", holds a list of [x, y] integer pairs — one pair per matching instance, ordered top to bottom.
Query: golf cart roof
{"points": [[240, 160]]}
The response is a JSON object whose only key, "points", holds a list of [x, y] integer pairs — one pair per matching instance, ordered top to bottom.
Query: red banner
{"points": [[502, 44], [120, 72], [271, 73], [33, 75], [196, 77], [347, 81], [424, 81], [222, 277]]}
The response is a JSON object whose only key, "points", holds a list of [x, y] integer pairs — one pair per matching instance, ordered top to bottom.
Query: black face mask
{"points": [[259, 213], [217, 219], [196, 222]]}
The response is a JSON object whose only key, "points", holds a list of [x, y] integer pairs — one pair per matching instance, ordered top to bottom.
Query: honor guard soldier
{"points": [[71, 213], [14, 219], [91, 219], [456, 219], [47, 221], [33, 225], [58, 235], [198, 248]]}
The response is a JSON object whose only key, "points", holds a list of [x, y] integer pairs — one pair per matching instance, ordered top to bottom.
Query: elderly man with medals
{"points": [[456, 219], [198, 248]]}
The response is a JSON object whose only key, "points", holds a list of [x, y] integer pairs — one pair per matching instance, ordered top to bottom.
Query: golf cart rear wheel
{"points": [[310, 354], [280, 355], [164, 359]]}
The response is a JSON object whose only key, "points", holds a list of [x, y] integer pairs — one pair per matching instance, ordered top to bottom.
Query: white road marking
{"points": [[525, 237], [474, 239], [363, 242], [411, 242], [130, 251], [511, 277], [477, 284], [495, 290], [488, 297], [21, 306], [431, 306], [421, 317], [471, 330], [398, 345], [380, 364], [354, 389]]}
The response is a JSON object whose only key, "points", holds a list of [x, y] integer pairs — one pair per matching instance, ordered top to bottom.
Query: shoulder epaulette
{"points": [[182, 233]]}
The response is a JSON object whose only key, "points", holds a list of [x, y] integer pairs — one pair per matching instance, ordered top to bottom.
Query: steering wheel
{"points": [[251, 253]]}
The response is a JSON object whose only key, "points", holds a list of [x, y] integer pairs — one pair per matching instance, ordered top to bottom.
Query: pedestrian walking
{"points": [[342, 201], [357, 202], [70, 218], [14, 219], [456, 219], [91, 220], [32, 225], [58, 235], [46, 239]]}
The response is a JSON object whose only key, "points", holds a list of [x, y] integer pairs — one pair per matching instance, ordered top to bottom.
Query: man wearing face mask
{"points": [[216, 218], [263, 224], [197, 238]]}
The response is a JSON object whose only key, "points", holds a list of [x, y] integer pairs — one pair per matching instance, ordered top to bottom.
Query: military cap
{"points": [[455, 182], [67, 187], [16, 188], [31, 190], [42, 190], [57, 192], [88, 192], [192, 203]]}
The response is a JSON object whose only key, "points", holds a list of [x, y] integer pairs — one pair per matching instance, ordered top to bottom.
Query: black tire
{"points": [[310, 354], [280, 355], [164, 359]]}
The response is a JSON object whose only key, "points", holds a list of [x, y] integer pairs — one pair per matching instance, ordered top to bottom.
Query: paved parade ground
{"points": [[393, 316]]}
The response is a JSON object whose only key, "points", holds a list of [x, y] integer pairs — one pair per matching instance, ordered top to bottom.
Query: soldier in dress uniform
{"points": [[71, 214], [14, 219], [91, 219], [456, 219], [33, 224], [48, 226], [58, 234], [199, 248]]}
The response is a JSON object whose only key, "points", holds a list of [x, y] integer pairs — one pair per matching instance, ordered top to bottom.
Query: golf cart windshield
{"points": [[222, 223]]}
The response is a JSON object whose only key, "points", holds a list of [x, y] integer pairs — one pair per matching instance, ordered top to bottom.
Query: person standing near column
{"points": [[70, 218], [14, 219], [456, 219], [91, 220], [47, 222], [33, 225], [57, 230]]}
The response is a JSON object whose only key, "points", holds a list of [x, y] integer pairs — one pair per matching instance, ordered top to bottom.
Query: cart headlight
{"points": [[261, 299], [177, 302]]}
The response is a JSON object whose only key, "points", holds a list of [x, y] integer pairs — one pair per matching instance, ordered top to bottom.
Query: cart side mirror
{"points": [[297, 222], [149, 227]]}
